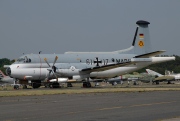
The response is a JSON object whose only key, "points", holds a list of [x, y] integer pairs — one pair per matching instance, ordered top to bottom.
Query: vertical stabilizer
{"points": [[141, 43]]}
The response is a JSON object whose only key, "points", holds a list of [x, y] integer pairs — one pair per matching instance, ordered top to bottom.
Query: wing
{"points": [[147, 55], [112, 66], [106, 67]]}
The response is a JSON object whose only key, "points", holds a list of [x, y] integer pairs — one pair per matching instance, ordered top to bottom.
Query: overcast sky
{"points": [[57, 26]]}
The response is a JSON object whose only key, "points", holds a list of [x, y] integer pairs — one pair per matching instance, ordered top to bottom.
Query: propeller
{"points": [[53, 68]]}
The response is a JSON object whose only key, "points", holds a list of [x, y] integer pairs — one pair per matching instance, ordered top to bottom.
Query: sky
{"points": [[58, 26]]}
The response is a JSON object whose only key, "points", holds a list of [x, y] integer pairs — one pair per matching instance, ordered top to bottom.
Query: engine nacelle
{"points": [[80, 77], [60, 80]]}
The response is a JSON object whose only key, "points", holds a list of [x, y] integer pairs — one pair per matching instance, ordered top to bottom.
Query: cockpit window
{"points": [[20, 60], [24, 60], [27, 60]]}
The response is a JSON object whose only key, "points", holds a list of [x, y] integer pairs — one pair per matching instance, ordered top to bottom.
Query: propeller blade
{"points": [[45, 59], [55, 60], [53, 68], [49, 74], [55, 75]]}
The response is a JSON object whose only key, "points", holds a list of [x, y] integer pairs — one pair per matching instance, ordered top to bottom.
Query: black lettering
{"points": [[118, 60], [87, 61]]}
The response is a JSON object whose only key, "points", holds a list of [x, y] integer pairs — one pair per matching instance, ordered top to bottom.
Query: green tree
{"points": [[5, 61]]}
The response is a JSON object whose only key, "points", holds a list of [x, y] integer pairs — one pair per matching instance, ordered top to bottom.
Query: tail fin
{"points": [[141, 43], [153, 73], [1, 74]]}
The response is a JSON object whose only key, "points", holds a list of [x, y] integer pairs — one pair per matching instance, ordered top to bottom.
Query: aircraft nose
{"points": [[8, 71]]}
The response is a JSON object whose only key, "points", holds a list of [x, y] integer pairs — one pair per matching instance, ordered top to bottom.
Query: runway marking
{"points": [[149, 104], [152, 104], [110, 108]]}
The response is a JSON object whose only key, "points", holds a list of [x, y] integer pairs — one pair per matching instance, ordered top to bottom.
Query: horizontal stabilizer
{"points": [[147, 55], [167, 78]]}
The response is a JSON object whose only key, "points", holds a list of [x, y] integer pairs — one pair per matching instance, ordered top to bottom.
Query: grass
{"points": [[77, 89], [29, 92]]}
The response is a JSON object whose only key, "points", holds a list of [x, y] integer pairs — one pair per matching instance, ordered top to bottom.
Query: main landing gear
{"points": [[36, 84], [86, 84], [54, 85], [69, 85], [16, 87]]}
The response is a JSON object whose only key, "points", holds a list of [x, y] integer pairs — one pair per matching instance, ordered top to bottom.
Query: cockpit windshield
{"points": [[20, 60], [23, 60]]}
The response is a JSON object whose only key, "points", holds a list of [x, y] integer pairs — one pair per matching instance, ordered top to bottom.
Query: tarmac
{"points": [[121, 106]]}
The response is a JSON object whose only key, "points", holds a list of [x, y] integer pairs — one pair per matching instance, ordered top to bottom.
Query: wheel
{"points": [[157, 82], [169, 82], [135, 83], [86, 84], [36, 85], [54, 85], [69, 85], [24, 86], [16, 87]]}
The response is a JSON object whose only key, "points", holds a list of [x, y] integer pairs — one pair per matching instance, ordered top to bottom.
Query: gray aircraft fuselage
{"points": [[69, 65]]}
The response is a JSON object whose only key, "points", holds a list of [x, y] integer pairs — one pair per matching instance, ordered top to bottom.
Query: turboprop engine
{"points": [[62, 80]]}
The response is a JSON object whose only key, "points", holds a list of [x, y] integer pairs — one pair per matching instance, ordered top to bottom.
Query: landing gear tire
{"points": [[157, 82], [169, 82], [134, 83], [86, 84], [36, 85], [54, 85], [69, 85], [16, 87]]}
